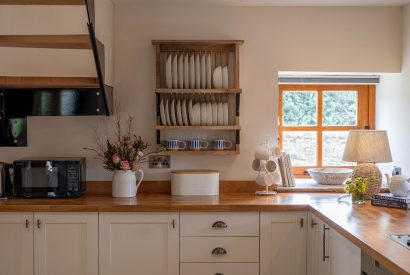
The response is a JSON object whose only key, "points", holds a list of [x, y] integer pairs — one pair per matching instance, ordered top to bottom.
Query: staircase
{"points": [[22, 96]]}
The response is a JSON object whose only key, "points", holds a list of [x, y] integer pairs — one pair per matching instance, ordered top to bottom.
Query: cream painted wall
{"points": [[20, 20], [276, 38], [393, 101]]}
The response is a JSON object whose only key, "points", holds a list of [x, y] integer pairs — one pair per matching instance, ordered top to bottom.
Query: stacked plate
{"points": [[194, 71], [186, 111]]}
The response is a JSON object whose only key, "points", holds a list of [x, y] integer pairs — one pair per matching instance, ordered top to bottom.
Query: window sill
{"points": [[309, 185]]}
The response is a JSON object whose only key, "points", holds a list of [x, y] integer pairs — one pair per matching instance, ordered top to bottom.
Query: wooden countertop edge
{"points": [[359, 243]]}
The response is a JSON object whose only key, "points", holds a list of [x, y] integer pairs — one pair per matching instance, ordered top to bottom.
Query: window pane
{"points": [[299, 108], [340, 108], [333, 146], [302, 147]]}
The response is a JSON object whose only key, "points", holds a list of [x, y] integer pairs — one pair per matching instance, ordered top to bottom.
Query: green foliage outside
{"points": [[300, 108]]}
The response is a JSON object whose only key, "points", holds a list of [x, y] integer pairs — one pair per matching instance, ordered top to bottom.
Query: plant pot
{"points": [[124, 183], [358, 198]]}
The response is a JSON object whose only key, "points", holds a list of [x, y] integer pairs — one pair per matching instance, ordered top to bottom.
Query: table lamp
{"points": [[367, 147]]}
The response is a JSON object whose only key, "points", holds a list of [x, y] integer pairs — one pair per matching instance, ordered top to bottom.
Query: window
{"points": [[314, 121]]}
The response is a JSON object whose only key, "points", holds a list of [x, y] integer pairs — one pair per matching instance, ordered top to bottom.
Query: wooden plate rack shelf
{"points": [[222, 53]]}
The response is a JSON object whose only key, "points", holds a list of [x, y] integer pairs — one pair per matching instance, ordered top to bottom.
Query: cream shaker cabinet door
{"points": [[16, 243], [66, 243], [139, 243], [283, 243], [346, 257]]}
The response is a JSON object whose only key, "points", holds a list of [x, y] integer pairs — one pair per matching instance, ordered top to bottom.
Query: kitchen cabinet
{"points": [[16, 243], [49, 243], [65, 243], [139, 243], [219, 243], [283, 243], [318, 247], [329, 253], [346, 257]]}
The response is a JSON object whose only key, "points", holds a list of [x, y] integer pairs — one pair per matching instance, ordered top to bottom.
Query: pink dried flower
{"points": [[116, 158], [125, 165], [136, 165]]}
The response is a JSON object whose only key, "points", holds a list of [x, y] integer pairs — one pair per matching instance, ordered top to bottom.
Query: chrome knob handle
{"points": [[219, 224], [219, 251]]}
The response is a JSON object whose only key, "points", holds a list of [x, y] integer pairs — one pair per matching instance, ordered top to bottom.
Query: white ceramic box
{"points": [[195, 182]]}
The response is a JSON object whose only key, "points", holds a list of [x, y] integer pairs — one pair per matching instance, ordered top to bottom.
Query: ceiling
{"points": [[274, 2]]}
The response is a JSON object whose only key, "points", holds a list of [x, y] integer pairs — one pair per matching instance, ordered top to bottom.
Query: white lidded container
{"points": [[195, 182]]}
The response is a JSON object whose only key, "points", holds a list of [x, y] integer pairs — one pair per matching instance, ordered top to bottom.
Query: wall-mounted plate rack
{"points": [[200, 71]]}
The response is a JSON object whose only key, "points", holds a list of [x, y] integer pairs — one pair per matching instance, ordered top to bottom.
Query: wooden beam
{"points": [[42, 2], [80, 41], [48, 82]]}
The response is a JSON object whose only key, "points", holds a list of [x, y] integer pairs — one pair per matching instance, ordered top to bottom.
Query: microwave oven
{"points": [[49, 177]]}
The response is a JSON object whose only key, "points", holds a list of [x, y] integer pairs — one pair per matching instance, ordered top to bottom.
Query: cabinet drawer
{"points": [[242, 224], [219, 249], [220, 268]]}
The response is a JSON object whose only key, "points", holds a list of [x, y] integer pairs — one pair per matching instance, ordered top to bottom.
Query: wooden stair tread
{"points": [[42, 2], [70, 41], [48, 82]]}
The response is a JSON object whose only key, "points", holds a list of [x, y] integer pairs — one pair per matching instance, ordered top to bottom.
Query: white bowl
{"points": [[330, 176]]}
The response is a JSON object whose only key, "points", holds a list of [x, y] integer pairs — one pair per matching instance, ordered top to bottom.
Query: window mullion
{"points": [[319, 126]]}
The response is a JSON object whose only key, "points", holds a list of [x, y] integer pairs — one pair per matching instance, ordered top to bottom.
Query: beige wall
{"points": [[20, 20], [276, 38], [393, 99]]}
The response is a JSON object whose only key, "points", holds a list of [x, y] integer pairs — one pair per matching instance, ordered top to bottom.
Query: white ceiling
{"points": [[274, 2]]}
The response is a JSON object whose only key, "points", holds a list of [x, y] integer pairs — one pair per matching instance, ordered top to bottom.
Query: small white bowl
{"points": [[330, 176]]}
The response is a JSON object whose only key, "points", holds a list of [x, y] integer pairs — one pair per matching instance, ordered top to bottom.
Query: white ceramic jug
{"points": [[124, 183], [399, 185]]}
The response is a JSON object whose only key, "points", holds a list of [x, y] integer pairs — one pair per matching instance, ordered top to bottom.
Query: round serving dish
{"points": [[330, 176]]}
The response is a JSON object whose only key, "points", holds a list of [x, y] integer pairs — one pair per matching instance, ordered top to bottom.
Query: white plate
{"points": [[175, 71], [181, 71], [186, 71], [192, 71], [203, 71], [168, 72], [197, 72], [208, 72], [217, 78], [225, 80], [172, 110], [162, 113], [167, 113], [179, 113], [184, 113], [190, 113], [197, 113], [203, 113], [214, 113], [220, 114], [226, 119], [209, 121]]}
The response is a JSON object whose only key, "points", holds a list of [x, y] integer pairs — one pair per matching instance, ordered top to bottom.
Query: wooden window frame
{"points": [[365, 116]]}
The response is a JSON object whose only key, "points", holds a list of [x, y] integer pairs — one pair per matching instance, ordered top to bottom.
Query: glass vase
{"points": [[358, 198]]}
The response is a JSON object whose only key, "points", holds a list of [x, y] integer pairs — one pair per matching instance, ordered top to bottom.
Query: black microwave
{"points": [[49, 177]]}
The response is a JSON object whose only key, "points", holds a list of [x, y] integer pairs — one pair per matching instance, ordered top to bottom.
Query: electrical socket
{"points": [[159, 162]]}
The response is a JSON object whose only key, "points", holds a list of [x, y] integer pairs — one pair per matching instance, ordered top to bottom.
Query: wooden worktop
{"points": [[365, 225]]}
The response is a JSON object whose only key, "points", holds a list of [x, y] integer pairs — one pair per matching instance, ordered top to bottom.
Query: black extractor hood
{"points": [[21, 97]]}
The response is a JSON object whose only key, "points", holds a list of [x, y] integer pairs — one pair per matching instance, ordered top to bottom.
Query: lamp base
{"points": [[367, 170]]}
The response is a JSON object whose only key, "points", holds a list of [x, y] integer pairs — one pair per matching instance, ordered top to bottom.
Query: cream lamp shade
{"points": [[367, 146]]}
